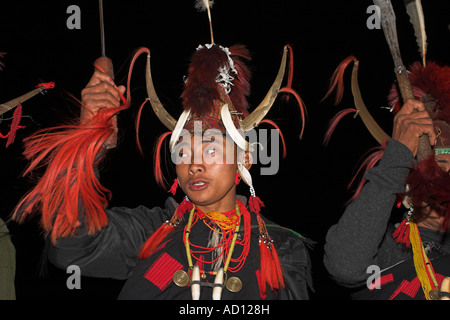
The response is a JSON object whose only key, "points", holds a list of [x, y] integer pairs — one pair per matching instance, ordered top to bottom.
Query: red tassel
{"points": [[47, 85], [17, 116], [237, 179], [174, 187], [399, 201], [255, 204], [184, 207], [399, 229], [402, 233], [155, 240], [152, 243], [264, 253], [278, 269], [271, 270], [261, 286]]}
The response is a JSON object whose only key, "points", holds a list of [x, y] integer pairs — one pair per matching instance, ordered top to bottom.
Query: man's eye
{"points": [[210, 152], [181, 154]]}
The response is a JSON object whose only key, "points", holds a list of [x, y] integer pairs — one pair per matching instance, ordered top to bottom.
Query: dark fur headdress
{"points": [[431, 85], [427, 182]]}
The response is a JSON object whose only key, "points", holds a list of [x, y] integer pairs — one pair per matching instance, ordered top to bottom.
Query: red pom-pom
{"points": [[174, 187], [255, 204], [402, 233]]}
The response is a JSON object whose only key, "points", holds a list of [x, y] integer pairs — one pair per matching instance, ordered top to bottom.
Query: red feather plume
{"points": [[433, 80], [241, 84], [70, 154], [69, 193]]}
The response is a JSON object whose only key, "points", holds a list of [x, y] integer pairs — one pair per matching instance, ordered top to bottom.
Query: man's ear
{"points": [[248, 160]]}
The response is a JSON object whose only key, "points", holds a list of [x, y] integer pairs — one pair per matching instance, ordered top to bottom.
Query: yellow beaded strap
{"points": [[233, 242], [423, 266]]}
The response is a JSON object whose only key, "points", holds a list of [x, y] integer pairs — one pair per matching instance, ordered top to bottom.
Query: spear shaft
{"points": [[102, 28], [390, 32], [104, 64]]}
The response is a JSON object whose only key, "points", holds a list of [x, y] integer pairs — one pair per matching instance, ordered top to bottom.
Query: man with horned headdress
{"points": [[214, 244], [411, 259]]}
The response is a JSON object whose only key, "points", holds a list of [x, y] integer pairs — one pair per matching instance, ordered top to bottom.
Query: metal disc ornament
{"points": [[181, 278], [234, 284], [434, 294]]}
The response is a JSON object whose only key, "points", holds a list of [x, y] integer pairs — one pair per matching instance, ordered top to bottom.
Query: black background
{"points": [[310, 190]]}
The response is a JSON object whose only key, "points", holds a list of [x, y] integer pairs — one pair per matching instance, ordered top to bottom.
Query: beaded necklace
{"points": [[229, 226], [229, 232]]}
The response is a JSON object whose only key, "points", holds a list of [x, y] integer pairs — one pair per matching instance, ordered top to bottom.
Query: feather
{"points": [[203, 5], [206, 5], [415, 12], [2, 64], [433, 80], [337, 81], [200, 89], [334, 122], [70, 153], [430, 184], [69, 193]]}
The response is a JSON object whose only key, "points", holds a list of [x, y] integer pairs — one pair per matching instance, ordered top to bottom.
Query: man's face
{"points": [[443, 161], [206, 169], [430, 216]]}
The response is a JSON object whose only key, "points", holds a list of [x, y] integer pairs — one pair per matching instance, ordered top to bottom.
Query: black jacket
{"points": [[363, 236], [112, 253]]}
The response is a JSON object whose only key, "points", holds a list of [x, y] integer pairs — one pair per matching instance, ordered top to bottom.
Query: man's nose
{"points": [[196, 168]]}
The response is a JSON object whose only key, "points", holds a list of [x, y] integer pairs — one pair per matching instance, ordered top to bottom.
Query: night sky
{"points": [[309, 192]]}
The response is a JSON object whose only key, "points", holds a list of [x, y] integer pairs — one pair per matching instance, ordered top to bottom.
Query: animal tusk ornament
{"points": [[156, 104], [366, 117], [253, 119], [250, 122], [181, 279], [195, 283], [218, 285], [445, 289]]}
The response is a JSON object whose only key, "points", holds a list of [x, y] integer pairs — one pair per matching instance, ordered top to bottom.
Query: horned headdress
{"points": [[215, 95], [427, 183]]}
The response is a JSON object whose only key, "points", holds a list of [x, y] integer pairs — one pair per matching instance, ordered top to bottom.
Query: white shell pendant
{"points": [[195, 283], [218, 285]]}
